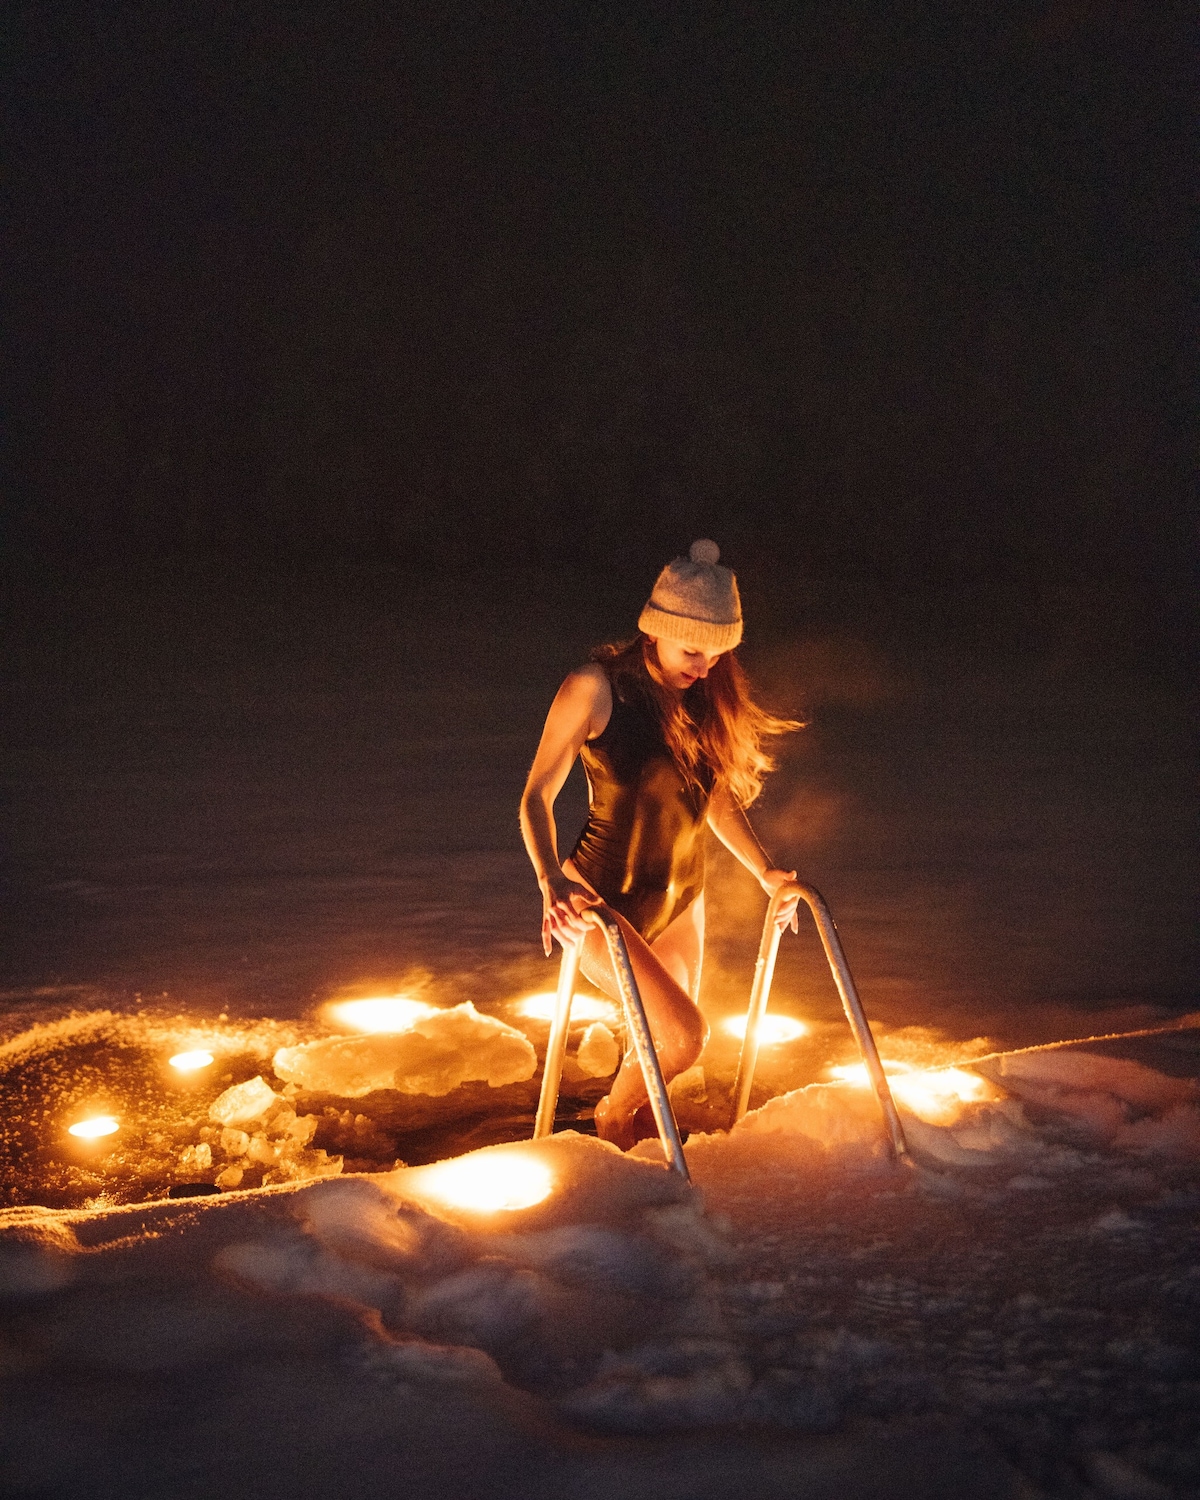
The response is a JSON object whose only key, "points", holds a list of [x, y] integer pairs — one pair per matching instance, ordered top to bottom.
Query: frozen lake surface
{"points": [[1010, 857]]}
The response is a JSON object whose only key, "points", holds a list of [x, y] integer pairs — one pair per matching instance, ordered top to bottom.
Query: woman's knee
{"points": [[685, 1041]]}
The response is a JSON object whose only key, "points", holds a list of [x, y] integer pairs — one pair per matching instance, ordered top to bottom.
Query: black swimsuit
{"points": [[642, 847]]}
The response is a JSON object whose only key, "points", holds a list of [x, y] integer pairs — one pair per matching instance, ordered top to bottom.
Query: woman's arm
{"points": [[580, 711], [730, 824]]}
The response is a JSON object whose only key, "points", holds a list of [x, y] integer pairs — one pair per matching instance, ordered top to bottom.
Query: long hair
{"points": [[714, 724]]}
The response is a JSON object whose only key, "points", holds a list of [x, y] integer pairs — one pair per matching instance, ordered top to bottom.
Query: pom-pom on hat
{"points": [[695, 602]]}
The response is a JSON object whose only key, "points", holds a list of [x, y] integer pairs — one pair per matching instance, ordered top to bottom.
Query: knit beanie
{"points": [[695, 602]]}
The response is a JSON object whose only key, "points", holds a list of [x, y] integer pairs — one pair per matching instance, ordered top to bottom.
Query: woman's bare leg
{"points": [[680, 949], [677, 1028]]}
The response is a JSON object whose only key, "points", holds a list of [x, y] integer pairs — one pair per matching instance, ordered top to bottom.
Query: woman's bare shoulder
{"points": [[591, 676], [587, 689]]}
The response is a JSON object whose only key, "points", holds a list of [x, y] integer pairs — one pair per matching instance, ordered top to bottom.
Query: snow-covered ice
{"points": [[1015, 1314]]}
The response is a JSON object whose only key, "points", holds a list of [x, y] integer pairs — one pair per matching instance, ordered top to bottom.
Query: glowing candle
{"points": [[583, 1008], [390, 1013], [771, 1029], [189, 1062], [935, 1095], [98, 1125], [489, 1182]]}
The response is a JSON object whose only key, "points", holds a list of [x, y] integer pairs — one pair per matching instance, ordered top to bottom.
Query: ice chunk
{"points": [[598, 1054], [434, 1056], [690, 1086], [243, 1103], [835, 1114], [282, 1120], [302, 1128], [234, 1142], [262, 1150], [195, 1158], [304, 1166], [231, 1177]]}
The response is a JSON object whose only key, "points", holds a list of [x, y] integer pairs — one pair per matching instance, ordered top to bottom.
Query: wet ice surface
{"points": [[993, 841], [1004, 855], [99, 1062]]}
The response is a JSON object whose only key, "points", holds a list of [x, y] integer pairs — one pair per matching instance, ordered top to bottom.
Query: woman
{"points": [[671, 741]]}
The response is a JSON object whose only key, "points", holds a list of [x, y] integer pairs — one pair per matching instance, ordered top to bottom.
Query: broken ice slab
{"points": [[598, 1053], [433, 1056], [243, 1103]]}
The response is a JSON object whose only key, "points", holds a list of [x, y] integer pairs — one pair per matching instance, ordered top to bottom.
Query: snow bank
{"points": [[439, 1052], [1110, 1101], [1041, 1103], [616, 1251], [805, 1282]]}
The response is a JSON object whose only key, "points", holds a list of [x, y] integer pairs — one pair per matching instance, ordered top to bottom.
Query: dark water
{"points": [[1008, 845]]}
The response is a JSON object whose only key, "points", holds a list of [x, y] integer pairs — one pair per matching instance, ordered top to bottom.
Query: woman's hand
{"points": [[562, 901], [786, 916]]}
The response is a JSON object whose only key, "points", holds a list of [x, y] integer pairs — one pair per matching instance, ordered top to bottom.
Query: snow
{"points": [[436, 1054], [1014, 1314]]}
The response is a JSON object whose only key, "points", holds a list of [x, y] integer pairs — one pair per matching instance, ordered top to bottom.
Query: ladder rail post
{"points": [[764, 971], [852, 1005], [637, 1026], [639, 1029], [556, 1046]]}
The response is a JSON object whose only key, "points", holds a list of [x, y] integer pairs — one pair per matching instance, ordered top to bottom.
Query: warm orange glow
{"points": [[583, 1008], [388, 1013], [771, 1029], [190, 1062], [935, 1095], [98, 1125], [486, 1182]]}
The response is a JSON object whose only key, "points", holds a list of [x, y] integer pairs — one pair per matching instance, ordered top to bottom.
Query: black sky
{"points": [[887, 297]]}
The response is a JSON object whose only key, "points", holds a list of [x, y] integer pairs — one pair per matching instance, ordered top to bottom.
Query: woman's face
{"points": [[680, 666]]}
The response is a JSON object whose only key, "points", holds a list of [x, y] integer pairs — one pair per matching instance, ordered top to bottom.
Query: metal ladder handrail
{"points": [[764, 970], [637, 1027]]}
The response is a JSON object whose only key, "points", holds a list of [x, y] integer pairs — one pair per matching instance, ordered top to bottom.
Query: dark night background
{"points": [[359, 349]]}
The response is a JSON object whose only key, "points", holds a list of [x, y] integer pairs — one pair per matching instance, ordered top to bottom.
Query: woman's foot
{"points": [[610, 1127]]}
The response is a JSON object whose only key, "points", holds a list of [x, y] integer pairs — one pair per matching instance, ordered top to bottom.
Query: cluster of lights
{"points": [[96, 1127], [491, 1181]]}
